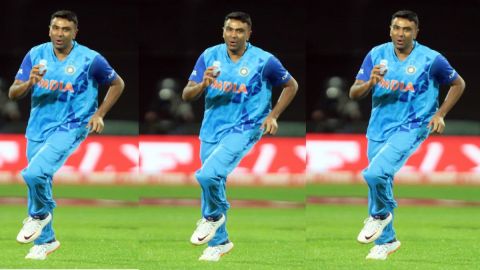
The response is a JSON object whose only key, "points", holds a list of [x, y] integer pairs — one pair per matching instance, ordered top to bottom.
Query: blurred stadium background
{"points": [[114, 35], [154, 45], [336, 125], [169, 127], [149, 150], [438, 190]]}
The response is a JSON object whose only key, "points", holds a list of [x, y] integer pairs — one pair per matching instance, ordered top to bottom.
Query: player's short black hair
{"points": [[65, 14], [407, 14], [241, 16]]}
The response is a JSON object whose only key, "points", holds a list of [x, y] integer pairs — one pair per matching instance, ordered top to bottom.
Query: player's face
{"points": [[62, 32], [403, 32], [236, 34]]}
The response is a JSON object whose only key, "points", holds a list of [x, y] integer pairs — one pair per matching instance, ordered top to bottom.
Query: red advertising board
{"points": [[160, 159], [440, 159], [273, 160]]}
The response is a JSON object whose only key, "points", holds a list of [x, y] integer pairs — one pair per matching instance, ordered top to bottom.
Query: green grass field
{"points": [[90, 237], [157, 237], [320, 237], [432, 237], [263, 239]]}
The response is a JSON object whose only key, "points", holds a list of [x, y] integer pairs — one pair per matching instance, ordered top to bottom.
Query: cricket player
{"points": [[404, 77], [63, 78], [237, 80]]}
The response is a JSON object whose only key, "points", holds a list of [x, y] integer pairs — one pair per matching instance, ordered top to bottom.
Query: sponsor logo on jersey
{"points": [[69, 69], [411, 69], [20, 71], [243, 71], [360, 72], [194, 73], [451, 75], [110, 76], [284, 77], [54, 85], [394, 85], [227, 86]]}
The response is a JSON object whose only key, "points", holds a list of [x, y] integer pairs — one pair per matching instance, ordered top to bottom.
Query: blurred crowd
{"points": [[334, 110], [9, 111], [167, 113]]}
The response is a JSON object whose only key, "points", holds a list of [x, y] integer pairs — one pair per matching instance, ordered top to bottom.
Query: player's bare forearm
{"points": [[19, 89], [360, 89], [192, 91], [114, 92], [288, 93], [453, 95], [95, 124], [437, 124]]}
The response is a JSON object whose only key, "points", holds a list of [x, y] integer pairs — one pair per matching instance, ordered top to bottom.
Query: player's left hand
{"points": [[95, 124], [436, 125], [269, 126]]}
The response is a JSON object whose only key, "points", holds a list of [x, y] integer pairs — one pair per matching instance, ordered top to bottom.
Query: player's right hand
{"points": [[35, 75], [375, 75], [208, 77]]}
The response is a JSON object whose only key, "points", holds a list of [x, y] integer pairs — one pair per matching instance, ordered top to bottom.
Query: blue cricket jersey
{"points": [[66, 97], [240, 97], [407, 97]]}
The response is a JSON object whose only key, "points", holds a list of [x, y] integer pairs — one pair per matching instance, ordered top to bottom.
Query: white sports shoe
{"points": [[32, 228], [372, 229], [206, 230], [40, 252], [380, 252], [213, 254]]}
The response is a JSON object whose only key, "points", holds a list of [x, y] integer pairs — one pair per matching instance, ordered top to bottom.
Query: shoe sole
{"points": [[35, 235], [376, 235], [51, 251], [388, 254], [46, 255], [221, 255]]}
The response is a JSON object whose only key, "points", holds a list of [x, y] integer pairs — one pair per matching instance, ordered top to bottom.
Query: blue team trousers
{"points": [[44, 159], [385, 159], [218, 160]]}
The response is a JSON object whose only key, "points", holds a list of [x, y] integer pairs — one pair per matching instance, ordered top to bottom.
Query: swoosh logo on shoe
{"points": [[28, 237], [368, 237], [201, 238]]}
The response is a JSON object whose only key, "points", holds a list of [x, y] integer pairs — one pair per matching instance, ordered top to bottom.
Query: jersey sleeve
{"points": [[366, 68], [198, 70], [101, 71], [442, 71], [23, 72], [275, 73]]}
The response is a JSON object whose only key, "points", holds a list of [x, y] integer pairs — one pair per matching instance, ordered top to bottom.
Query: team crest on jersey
{"points": [[70, 69], [411, 69], [244, 71]]}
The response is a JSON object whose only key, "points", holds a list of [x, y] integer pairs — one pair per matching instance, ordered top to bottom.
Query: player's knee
{"points": [[32, 175], [373, 175], [204, 177], [207, 177]]}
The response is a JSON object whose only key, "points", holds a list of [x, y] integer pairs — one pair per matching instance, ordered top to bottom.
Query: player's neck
{"points": [[63, 53], [404, 53], [235, 55]]}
